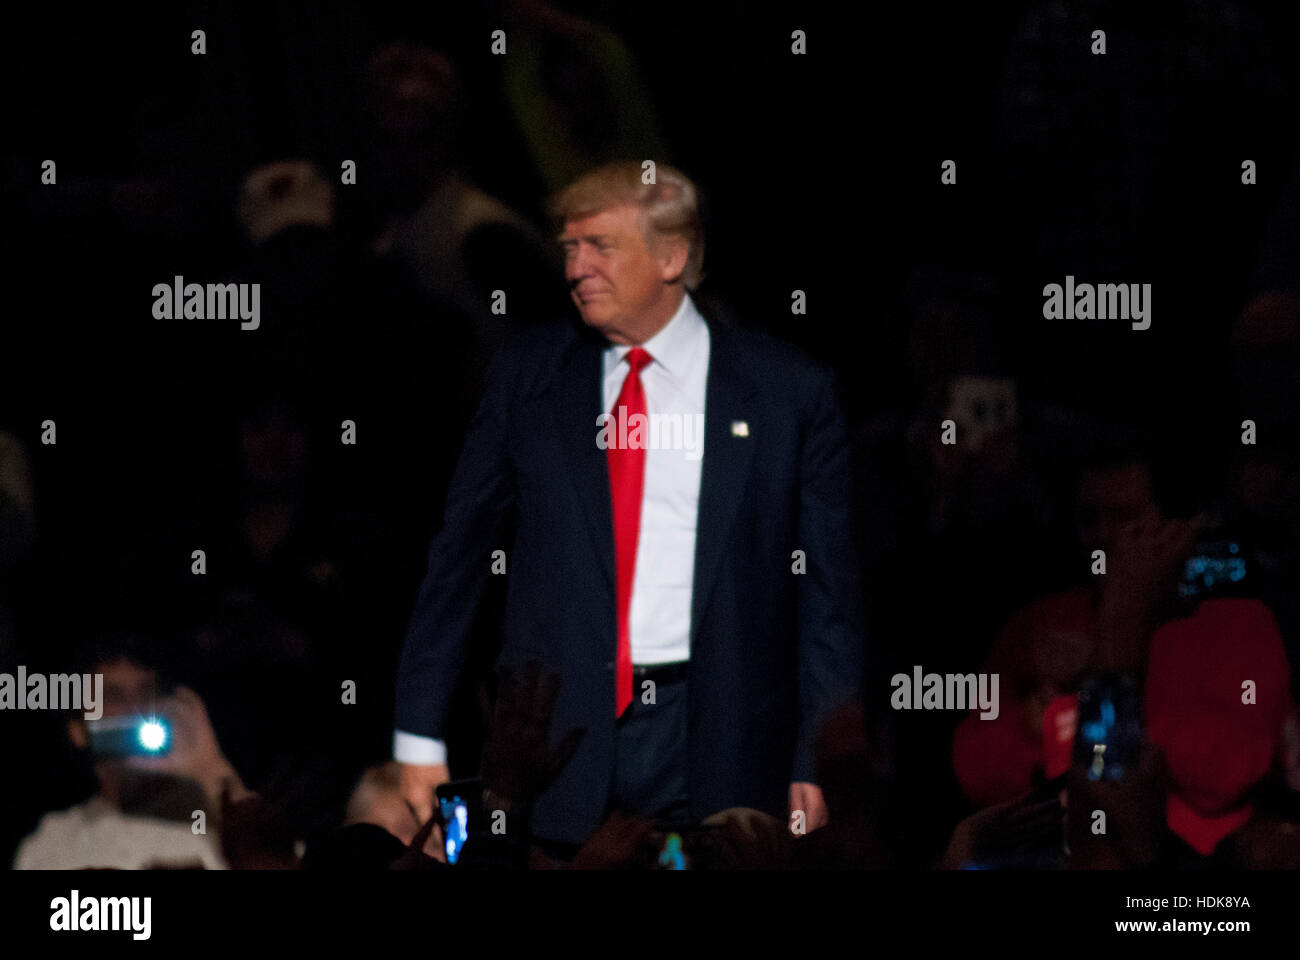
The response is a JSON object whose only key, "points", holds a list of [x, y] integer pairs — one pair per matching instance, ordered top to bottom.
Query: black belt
{"points": [[661, 673]]}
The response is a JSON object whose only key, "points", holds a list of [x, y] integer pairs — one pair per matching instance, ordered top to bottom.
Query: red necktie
{"points": [[626, 481]]}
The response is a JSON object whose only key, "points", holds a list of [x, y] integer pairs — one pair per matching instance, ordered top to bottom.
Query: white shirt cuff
{"points": [[419, 751]]}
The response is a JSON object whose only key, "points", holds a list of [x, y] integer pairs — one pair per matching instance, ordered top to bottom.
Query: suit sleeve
{"points": [[479, 499], [831, 618]]}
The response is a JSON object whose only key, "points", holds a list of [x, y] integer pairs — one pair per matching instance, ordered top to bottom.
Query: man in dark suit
{"points": [[692, 581]]}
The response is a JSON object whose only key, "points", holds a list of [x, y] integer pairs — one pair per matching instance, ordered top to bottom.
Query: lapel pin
{"points": [[739, 428]]}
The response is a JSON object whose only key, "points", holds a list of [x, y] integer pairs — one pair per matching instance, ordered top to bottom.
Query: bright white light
{"points": [[152, 735]]}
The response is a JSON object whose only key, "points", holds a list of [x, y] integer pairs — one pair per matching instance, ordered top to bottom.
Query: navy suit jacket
{"points": [[772, 651]]}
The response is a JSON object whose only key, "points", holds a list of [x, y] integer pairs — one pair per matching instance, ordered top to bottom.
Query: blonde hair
{"points": [[669, 206]]}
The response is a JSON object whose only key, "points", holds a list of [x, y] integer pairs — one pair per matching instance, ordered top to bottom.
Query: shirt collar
{"points": [[674, 345]]}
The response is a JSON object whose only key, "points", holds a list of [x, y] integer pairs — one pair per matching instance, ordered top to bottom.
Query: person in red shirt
{"points": [[1047, 646], [1217, 694]]}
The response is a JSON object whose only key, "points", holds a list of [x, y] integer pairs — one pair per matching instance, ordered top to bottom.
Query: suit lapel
{"points": [[581, 400], [729, 400]]}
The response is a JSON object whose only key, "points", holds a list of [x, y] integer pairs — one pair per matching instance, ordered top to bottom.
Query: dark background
{"points": [[821, 173]]}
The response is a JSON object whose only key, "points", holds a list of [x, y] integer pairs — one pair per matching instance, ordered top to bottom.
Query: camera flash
{"points": [[152, 735]]}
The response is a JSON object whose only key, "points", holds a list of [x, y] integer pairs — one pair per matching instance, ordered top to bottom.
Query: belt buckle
{"points": [[667, 672]]}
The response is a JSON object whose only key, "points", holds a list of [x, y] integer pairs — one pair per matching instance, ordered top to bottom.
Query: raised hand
{"points": [[518, 762]]}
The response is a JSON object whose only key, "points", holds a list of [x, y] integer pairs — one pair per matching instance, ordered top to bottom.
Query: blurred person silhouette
{"points": [[575, 92], [458, 244], [308, 274], [318, 282], [348, 334], [1266, 473], [946, 512], [17, 533], [959, 534], [17, 539], [275, 544], [279, 621], [1191, 644], [1045, 649], [1217, 702], [1207, 752], [853, 766], [141, 815], [1022, 833], [1267, 842], [356, 848]]}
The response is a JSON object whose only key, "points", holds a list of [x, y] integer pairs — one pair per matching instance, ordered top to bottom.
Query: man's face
{"points": [[616, 281], [1112, 498], [130, 690]]}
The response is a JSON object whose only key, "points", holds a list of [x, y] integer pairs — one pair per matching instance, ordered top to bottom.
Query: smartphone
{"points": [[117, 737], [1109, 738], [458, 808], [679, 844], [671, 855]]}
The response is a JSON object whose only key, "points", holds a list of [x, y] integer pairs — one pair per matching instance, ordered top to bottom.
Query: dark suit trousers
{"points": [[650, 756]]}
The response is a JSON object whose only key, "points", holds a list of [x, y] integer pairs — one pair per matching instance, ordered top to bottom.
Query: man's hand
{"points": [[1139, 577], [194, 751], [418, 784], [806, 798]]}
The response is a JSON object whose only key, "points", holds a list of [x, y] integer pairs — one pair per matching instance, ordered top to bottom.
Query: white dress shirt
{"points": [[675, 384]]}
